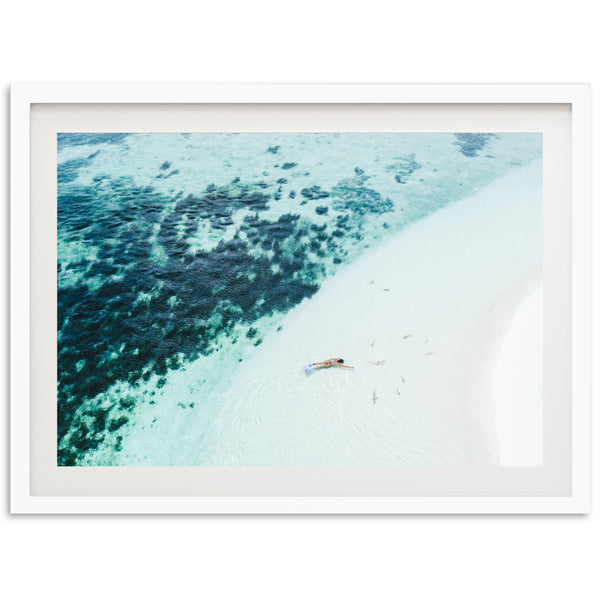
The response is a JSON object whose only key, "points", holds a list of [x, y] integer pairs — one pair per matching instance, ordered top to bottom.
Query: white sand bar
{"points": [[421, 317], [517, 387]]}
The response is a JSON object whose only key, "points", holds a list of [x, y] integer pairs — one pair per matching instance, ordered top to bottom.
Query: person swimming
{"points": [[325, 364]]}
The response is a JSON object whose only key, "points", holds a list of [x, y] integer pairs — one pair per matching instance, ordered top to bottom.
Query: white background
{"points": [[296, 557]]}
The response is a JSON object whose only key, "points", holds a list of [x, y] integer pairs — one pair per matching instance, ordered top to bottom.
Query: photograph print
{"points": [[299, 299]]}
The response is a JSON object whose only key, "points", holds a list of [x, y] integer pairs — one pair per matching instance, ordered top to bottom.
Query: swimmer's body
{"points": [[332, 362]]}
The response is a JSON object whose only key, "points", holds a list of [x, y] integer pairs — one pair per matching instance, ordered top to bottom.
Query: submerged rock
{"points": [[470, 143], [403, 168], [350, 194]]}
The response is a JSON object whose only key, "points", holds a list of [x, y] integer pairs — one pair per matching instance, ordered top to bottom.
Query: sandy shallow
{"points": [[422, 318]]}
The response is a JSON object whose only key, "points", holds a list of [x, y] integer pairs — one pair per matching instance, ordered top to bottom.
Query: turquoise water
{"points": [[180, 253]]}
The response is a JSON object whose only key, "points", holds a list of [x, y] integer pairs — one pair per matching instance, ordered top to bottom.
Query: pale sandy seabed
{"points": [[421, 318]]}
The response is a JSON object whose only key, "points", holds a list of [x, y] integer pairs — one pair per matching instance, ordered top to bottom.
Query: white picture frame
{"points": [[24, 97]]}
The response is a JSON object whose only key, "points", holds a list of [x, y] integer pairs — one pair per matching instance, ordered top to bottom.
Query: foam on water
{"points": [[178, 254]]}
